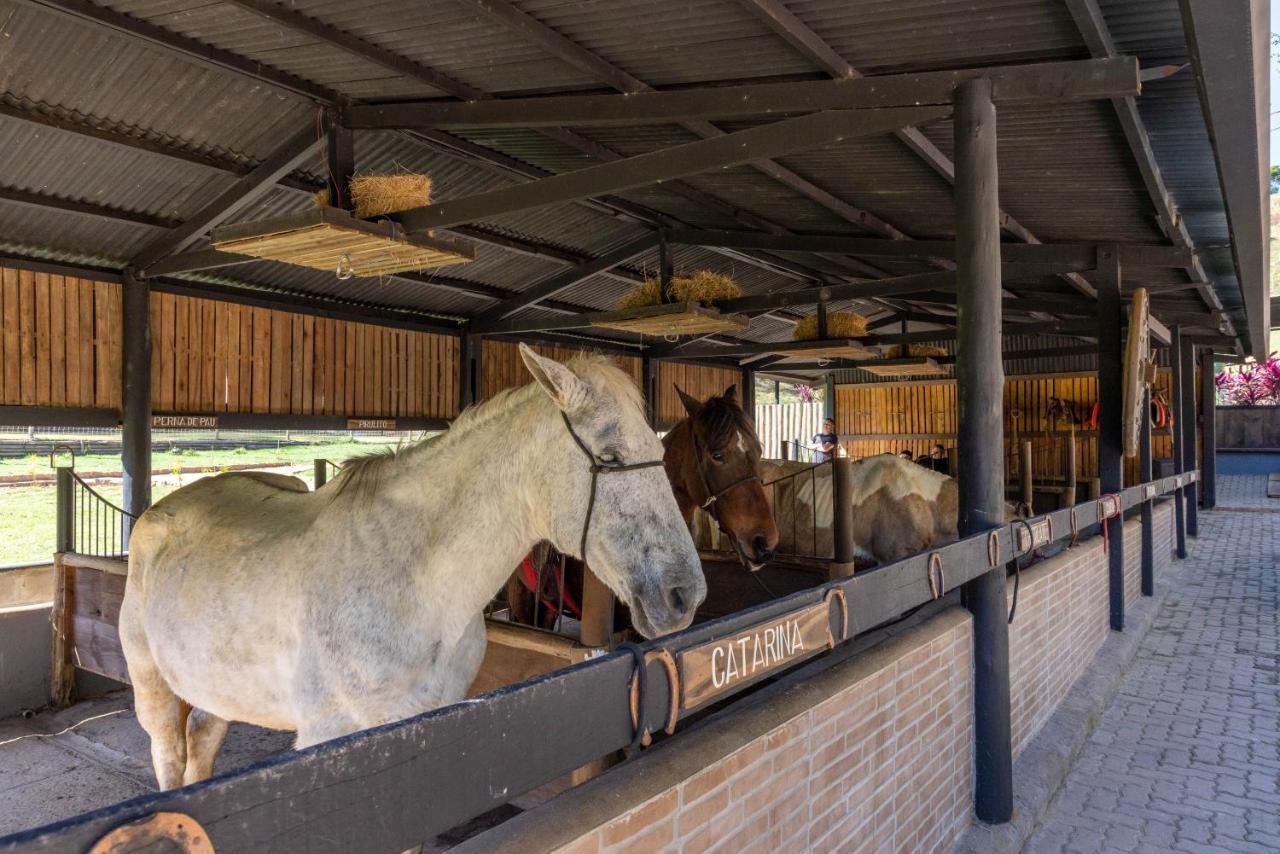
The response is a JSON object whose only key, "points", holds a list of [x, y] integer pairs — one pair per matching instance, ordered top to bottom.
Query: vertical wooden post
{"points": [[341, 159], [823, 334], [469, 370], [649, 382], [980, 388], [777, 392], [748, 394], [829, 399], [1187, 414], [1111, 419], [1208, 430], [135, 439], [321, 473], [1144, 476], [1028, 482], [1069, 499], [1179, 505], [842, 516], [597, 629], [62, 676]]}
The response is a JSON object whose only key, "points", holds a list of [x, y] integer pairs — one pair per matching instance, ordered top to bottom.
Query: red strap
{"points": [[1114, 511], [530, 574]]}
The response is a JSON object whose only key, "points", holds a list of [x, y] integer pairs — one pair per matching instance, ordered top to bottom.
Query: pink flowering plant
{"points": [[1253, 384]]}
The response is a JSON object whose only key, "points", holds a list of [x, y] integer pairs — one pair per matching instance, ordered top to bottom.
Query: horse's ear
{"points": [[560, 383], [731, 393], [691, 405]]}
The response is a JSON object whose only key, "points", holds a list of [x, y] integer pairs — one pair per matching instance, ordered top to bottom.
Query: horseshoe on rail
{"points": [[993, 548], [939, 586], [837, 593], [668, 663], [182, 830]]}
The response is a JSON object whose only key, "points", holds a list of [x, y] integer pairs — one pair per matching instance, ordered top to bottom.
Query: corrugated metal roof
{"points": [[1066, 171]]}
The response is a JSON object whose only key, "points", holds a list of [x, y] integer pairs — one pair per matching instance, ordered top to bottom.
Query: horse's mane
{"points": [[721, 417], [365, 472]]}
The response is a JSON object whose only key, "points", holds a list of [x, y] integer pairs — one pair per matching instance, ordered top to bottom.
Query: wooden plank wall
{"points": [[61, 341], [60, 346], [212, 356], [502, 368], [700, 381], [881, 418]]}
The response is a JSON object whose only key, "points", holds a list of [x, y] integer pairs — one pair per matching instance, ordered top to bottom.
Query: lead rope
{"points": [[1017, 562]]}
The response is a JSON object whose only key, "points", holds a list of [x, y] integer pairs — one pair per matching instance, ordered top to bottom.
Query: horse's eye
{"points": [[718, 456]]}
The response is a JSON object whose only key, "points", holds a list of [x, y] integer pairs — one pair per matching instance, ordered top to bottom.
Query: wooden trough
{"points": [[331, 239]]}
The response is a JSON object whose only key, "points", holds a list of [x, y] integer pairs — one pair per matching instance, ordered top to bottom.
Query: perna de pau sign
{"points": [[184, 422], [717, 667]]}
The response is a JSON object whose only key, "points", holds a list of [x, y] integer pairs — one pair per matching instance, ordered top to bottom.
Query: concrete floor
{"points": [[58, 764]]}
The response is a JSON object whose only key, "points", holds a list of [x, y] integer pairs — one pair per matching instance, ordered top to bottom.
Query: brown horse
{"points": [[712, 459], [713, 462]]}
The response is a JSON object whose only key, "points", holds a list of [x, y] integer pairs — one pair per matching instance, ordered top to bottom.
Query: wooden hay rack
{"points": [[331, 239], [671, 319], [917, 366]]}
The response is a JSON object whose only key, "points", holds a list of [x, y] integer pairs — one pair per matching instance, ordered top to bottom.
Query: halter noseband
{"points": [[598, 468], [714, 495]]}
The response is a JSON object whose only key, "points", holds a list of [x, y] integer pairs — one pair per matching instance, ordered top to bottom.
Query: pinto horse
{"points": [[712, 459]]}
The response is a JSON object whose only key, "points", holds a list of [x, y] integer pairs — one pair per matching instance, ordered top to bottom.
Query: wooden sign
{"points": [[184, 422], [371, 424], [1041, 533], [715, 668]]}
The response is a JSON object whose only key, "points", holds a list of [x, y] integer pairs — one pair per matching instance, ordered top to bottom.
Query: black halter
{"points": [[598, 468], [714, 495]]}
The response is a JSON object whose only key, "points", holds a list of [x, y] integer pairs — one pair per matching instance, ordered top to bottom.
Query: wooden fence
{"points": [[502, 368], [700, 381], [880, 418], [786, 422], [1248, 428]]}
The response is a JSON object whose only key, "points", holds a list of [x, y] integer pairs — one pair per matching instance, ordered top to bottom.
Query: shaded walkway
{"points": [[1187, 758]]}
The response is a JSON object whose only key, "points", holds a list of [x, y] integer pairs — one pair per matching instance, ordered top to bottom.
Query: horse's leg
{"points": [[163, 715], [205, 733]]}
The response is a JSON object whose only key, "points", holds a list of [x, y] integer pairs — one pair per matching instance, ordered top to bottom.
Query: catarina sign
{"points": [[716, 667]]}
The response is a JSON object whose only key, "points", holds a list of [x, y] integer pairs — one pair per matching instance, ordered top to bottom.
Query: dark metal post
{"points": [[341, 160], [666, 267], [822, 322], [469, 371], [1176, 380], [980, 390], [748, 395], [829, 398], [1187, 414], [1111, 419], [1208, 431], [135, 439], [321, 473], [1145, 474], [842, 517], [65, 539]]}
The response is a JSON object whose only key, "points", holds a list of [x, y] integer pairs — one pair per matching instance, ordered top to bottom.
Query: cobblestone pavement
{"points": [[1244, 490], [1187, 758]]}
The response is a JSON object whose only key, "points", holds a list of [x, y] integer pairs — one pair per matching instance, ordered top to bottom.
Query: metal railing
{"points": [[87, 522], [799, 526]]}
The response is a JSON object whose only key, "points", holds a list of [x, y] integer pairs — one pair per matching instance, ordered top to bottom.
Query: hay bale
{"points": [[375, 195], [703, 287], [840, 324], [930, 350]]}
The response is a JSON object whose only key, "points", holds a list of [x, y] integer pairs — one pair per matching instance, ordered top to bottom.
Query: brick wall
{"points": [[1063, 618]]}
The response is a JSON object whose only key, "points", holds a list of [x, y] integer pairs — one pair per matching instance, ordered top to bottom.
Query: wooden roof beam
{"points": [[1039, 83], [679, 161], [258, 182]]}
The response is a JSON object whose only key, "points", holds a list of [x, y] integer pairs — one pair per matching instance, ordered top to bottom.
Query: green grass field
{"points": [[34, 464], [28, 515]]}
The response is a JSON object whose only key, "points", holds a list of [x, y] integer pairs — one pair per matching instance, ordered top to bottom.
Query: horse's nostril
{"points": [[761, 544], [678, 599]]}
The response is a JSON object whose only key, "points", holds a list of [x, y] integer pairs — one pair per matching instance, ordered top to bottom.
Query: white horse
{"points": [[333, 611]]}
